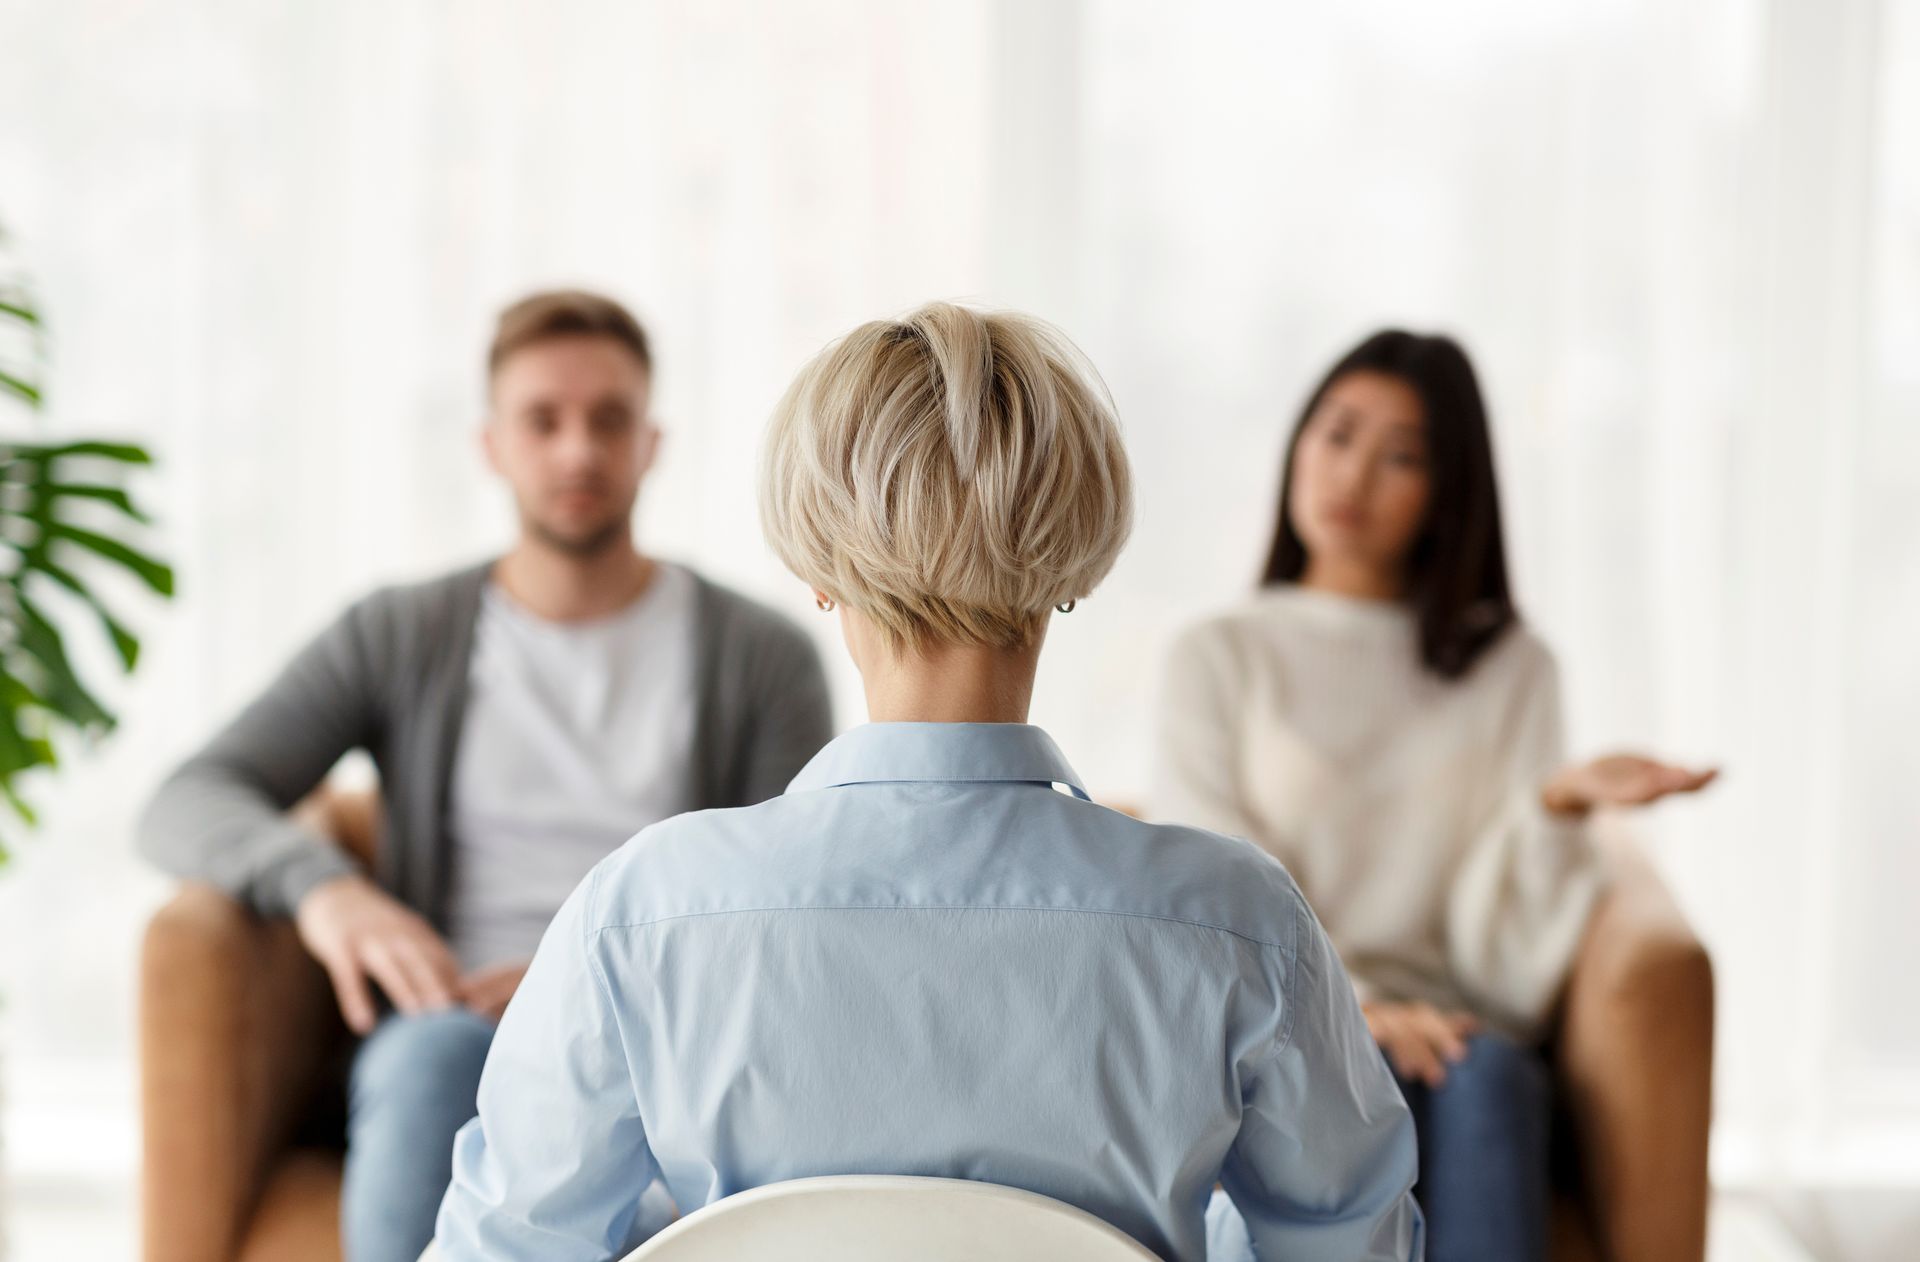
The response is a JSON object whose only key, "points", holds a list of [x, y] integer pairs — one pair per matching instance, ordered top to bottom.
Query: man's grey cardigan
{"points": [[390, 676]]}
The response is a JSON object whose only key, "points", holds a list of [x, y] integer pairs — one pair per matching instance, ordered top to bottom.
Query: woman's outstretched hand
{"points": [[1619, 780]]}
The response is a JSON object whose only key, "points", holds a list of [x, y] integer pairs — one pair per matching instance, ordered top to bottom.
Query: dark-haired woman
{"points": [[1379, 719]]}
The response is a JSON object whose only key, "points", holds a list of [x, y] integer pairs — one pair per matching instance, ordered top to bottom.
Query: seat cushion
{"points": [[298, 1218]]}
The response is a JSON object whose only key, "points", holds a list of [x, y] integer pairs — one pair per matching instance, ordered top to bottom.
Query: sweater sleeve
{"points": [[1196, 777], [221, 816], [1521, 900]]}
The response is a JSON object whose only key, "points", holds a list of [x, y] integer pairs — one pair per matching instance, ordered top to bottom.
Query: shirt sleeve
{"points": [[1196, 736], [1520, 903], [1324, 1165], [554, 1167]]}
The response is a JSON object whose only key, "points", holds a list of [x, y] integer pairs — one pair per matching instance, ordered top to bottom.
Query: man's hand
{"points": [[1619, 780], [358, 931], [487, 990], [1420, 1040]]}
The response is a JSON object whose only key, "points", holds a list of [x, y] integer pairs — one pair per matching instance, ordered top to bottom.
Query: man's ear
{"points": [[650, 440], [489, 443]]}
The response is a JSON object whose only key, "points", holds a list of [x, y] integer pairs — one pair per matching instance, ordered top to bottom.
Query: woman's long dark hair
{"points": [[1457, 572]]}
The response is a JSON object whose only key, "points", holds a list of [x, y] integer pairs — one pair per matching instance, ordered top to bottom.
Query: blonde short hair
{"points": [[952, 475]]}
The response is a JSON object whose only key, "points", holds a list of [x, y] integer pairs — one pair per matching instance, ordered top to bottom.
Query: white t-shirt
{"points": [[576, 736], [1407, 806]]}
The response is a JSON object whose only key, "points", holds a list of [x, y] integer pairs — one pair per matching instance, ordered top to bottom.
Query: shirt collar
{"points": [[878, 753]]}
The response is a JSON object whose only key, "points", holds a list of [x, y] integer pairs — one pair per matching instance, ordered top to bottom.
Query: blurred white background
{"points": [[1681, 239]]}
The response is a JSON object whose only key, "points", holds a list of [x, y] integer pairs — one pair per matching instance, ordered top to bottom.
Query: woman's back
{"points": [[925, 959]]}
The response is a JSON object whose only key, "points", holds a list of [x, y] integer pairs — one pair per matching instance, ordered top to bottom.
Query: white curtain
{"points": [[1683, 242]]}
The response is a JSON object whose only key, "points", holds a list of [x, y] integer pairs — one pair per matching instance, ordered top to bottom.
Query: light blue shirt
{"points": [[925, 959]]}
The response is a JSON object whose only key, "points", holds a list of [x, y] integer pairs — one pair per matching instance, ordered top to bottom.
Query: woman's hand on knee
{"points": [[1420, 1040]]}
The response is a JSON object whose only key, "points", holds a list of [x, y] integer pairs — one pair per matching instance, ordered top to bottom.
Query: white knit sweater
{"points": [[1407, 806]]}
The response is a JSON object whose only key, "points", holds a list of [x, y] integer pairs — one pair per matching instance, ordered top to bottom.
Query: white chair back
{"points": [[889, 1218]]}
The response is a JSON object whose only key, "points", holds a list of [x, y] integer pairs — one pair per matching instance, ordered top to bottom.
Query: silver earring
{"points": [[823, 603], [1066, 608]]}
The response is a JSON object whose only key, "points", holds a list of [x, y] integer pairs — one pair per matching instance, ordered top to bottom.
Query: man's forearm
{"points": [[221, 817], [206, 824]]}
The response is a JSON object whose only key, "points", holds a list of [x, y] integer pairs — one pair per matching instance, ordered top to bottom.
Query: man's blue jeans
{"points": [[413, 1085], [1483, 1154]]}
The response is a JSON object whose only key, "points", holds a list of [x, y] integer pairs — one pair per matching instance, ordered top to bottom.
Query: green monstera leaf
{"points": [[58, 503]]}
